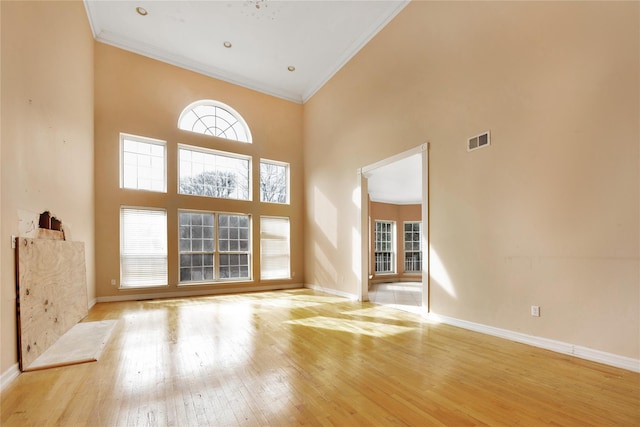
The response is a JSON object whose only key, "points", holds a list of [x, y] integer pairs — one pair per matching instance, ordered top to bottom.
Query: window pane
{"points": [[216, 119], [143, 163], [213, 175], [273, 182], [234, 244], [412, 246], [143, 247], [196, 251], [384, 256], [185, 260], [413, 261]]}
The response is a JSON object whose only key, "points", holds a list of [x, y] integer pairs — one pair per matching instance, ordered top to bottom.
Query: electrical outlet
{"points": [[113, 282], [535, 310]]}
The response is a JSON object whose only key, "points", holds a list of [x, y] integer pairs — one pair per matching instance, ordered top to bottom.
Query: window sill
{"points": [[219, 282], [137, 288]]}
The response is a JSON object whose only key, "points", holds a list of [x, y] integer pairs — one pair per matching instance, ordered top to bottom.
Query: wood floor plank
{"points": [[304, 358]]}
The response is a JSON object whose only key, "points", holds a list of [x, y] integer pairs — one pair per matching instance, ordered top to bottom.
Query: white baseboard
{"points": [[381, 281], [331, 291], [195, 293], [548, 344], [8, 376]]}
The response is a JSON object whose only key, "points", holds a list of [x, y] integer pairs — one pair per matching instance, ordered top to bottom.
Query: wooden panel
{"points": [[51, 294]]}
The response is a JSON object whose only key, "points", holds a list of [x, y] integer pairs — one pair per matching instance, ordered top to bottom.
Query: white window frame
{"points": [[214, 121], [143, 140], [207, 151], [287, 172], [275, 247], [377, 248], [194, 251], [217, 251], [412, 251], [220, 252], [156, 276]]}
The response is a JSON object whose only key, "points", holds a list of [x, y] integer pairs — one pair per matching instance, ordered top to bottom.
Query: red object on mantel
{"points": [[45, 220], [49, 222], [56, 224]]}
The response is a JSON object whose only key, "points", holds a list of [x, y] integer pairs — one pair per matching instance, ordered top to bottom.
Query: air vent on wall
{"points": [[478, 141]]}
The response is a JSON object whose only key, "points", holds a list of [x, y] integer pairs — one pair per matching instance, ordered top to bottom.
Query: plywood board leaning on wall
{"points": [[51, 293]]}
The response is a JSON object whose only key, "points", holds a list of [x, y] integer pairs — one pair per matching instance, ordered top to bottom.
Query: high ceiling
{"points": [[266, 36], [317, 37], [399, 182]]}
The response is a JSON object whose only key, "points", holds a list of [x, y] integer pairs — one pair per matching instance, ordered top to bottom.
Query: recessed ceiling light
{"points": [[141, 11], [227, 44], [291, 68]]}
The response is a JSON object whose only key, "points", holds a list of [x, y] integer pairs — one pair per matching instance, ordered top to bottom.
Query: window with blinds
{"points": [[212, 246], [143, 247], [275, 252]]}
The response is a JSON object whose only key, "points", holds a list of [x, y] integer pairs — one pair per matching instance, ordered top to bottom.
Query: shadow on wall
{"points": [[325, 216], [325, 272]]}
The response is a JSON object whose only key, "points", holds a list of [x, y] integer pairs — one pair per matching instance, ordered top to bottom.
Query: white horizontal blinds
{"points": [[143, 247], [275, 252]]}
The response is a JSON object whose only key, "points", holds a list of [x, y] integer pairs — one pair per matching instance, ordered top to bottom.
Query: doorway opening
{"points": [[394, 230]]}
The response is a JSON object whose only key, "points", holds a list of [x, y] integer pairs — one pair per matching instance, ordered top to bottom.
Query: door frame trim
{"points": [[363, 220]]}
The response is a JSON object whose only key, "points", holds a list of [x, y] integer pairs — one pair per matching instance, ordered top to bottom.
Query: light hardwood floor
{"points": [[300, 357]]}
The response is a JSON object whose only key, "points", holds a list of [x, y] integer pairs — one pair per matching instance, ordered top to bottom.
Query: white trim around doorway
{"points": [[363, 219]]}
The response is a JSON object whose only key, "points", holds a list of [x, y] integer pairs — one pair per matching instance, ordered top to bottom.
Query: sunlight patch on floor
{"points": [[386, 312], [373, 329]]}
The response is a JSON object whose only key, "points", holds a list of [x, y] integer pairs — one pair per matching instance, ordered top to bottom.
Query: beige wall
{"points": [[141, 96], [47, 134], [399, 214], [547, 215]]}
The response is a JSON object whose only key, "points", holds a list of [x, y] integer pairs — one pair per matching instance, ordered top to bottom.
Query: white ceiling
{"points": [[267, 36], [399, 182]]}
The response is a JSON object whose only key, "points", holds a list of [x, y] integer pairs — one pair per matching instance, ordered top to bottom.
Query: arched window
{"points": [[214, 118]]}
